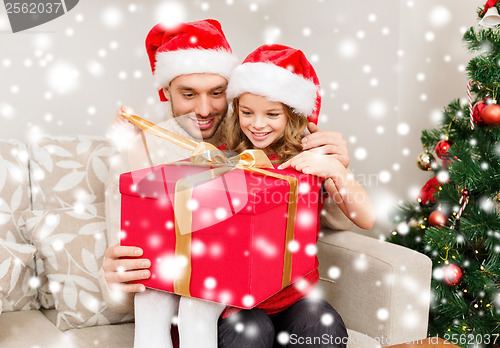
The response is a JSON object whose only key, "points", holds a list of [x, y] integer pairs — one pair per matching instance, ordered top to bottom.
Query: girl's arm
{"points": [[349, 195]]}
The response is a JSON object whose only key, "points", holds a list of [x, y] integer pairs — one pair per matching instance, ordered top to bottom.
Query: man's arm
{"points": [[329, 143], [121, 263]]}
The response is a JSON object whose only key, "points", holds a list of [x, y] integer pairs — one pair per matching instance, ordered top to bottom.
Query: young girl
{"points": [[275, 94]]}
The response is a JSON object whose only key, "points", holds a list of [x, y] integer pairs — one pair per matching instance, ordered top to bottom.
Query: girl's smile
{"points": [[259, 136]]}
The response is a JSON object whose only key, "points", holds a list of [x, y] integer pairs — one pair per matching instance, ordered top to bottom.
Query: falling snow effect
{"points": [[171, 13], [440, 16], [112, 17], [348, 48], [63, 76], [377, 109], [7, 111], [360, 153], [334, 272], [283, 337]]}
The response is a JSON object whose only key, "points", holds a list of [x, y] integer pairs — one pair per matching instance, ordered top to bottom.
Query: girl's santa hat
{"points": [[189, 48], [279, 73]]}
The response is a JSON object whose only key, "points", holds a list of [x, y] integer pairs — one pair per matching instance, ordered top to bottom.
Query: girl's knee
{"points": [[248, 328]]}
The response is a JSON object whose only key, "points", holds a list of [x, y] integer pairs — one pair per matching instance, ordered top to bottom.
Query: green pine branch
{"points": [[470, 241]]}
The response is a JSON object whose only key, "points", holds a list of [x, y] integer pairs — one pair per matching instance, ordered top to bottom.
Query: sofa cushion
{"points": [[68, 171], [14, 186], [14, 199], [71, 244], [14, 259], [380, 288], [31, 329], [108, 336]]}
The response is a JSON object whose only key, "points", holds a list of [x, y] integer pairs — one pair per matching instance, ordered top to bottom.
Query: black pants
{"points": [[307, 323]]}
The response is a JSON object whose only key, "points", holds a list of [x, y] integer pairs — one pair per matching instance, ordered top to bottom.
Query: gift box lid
{"points": [[236, 191]]}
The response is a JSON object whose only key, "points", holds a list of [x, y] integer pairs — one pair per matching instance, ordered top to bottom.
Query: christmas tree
{"points": [[456, 221]]}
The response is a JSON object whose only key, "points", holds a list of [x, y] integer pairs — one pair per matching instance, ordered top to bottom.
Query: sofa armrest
{"points": [[379, 288]]}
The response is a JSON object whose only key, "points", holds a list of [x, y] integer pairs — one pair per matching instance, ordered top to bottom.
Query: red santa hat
{"points": [[189, 48], [279, 73]]}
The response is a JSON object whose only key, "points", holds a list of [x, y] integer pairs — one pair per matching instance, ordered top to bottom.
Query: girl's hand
{"points": [[308, 162]]}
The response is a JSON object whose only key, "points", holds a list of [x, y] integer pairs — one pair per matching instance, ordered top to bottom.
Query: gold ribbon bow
{"points": [[206, 154]]}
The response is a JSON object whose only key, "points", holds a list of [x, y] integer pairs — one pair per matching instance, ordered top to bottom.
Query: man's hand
{"points": [[120, 122], [122, 131], [326, 143], [118, 271]]}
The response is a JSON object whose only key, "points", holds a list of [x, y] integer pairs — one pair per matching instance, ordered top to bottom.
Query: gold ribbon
{"points": [[153, 129], [207, 155]]}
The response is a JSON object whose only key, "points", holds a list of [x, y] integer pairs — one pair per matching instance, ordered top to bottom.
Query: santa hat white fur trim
{"points": [[171, 64], [276, 84]]}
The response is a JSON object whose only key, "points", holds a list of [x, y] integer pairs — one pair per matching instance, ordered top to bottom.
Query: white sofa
{"points": [[52, 245]]}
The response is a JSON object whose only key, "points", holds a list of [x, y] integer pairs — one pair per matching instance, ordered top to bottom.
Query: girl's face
{"points": [[261, 120]]}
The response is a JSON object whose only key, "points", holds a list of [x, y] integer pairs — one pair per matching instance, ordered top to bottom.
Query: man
{"points": [[191, 65]]}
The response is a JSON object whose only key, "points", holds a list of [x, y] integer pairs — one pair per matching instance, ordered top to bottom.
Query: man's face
{"points": [[202, 97]]}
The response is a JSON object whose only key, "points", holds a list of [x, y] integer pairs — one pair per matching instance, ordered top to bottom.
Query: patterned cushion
{"points": [[68, 171], [14, 184], [14, 199], [71, 244], [14, 258]]}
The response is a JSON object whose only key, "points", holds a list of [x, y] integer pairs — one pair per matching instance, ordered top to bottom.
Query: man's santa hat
{"points": [[189, 48], [279, 73]]}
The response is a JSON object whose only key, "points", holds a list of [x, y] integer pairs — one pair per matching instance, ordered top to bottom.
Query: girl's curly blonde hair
{"points": [[287, 146]]}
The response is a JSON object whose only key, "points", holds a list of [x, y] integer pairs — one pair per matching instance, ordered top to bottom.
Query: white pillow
{"points": [[71, 246]]}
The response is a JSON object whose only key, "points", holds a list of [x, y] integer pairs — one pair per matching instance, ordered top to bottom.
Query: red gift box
{"points": [[236, 243]]}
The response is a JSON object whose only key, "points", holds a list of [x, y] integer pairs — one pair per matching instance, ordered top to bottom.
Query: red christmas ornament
{"points": [[477, 112], [491, 115], [442, 149], [428, 190], [438, 219], [453, 274]]}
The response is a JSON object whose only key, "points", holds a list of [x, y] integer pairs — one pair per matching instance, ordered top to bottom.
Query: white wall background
{"points": [[387, 69]]}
